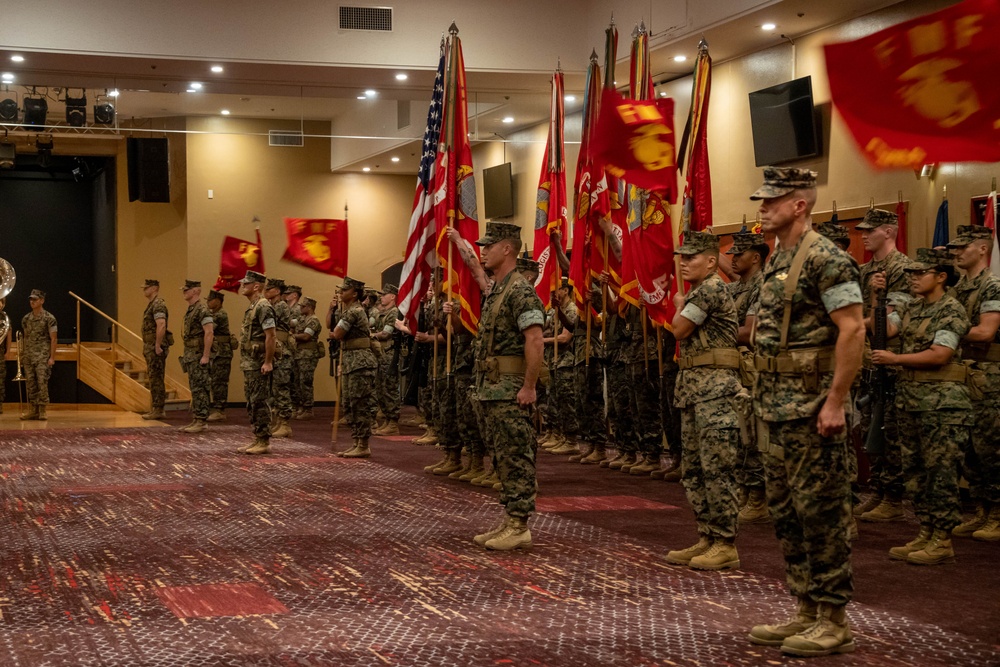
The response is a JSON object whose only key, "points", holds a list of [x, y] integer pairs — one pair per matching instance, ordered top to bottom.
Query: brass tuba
{"points": [[7, 280]]}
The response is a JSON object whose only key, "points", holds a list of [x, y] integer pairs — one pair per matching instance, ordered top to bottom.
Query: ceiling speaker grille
{"points": [[366, 18], [285, 138]]}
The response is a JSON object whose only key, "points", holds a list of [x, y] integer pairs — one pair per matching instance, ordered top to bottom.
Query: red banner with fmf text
{"points": [[925, 90], [635, 141], [318, 244], [238, 257]]}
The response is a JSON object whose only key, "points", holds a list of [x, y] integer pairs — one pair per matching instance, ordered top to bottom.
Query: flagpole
{"points": [[604, 295], [447, 326]]}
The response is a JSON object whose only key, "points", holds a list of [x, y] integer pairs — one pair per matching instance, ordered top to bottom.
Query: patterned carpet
{"points": [[139, 547]]}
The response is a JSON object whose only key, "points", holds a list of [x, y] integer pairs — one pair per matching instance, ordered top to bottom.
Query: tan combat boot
{"points": [[41, 413], [155, 413], [31, 414], [305, 414], [216, 416], [196, 426], [391, 428], [284, 429], [429, 437], [546, 439], [555, 442], [259, 446], [354, 446], [566, 447], [360, 451], [581, 454], [597, 455], [624, 459], [633, 460], [616, 461], [452, 462], [437, 464], [466, 466], [646, 466], [476, 468], [481, 477], [873, 501], [755, 510], [888, 510], [974, 523], [852, 530], [990, 532], [515, 535], [483, 538], [914, 545], [937, 550], [684, 556], [720, 556], [831, 633], [774, 635]]}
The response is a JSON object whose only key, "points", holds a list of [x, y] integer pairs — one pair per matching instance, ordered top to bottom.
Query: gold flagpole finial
{"points": [[453, 29], [703, 45], [593, 56], [944, 192], [900, 196], [871, 203], [835, 207]]}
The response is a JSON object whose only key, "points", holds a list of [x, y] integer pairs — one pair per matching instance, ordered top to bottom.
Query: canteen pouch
{"points": [[168, 338], [234, 342], [807, 365], [748, 372], [976, 381], [743, 407]]}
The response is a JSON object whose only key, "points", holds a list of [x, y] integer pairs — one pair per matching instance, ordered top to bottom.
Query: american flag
{"points": [[420, 251]]}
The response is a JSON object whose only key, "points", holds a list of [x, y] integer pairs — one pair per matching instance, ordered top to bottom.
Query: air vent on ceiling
{"points": [[366, 18], [285, 138]]}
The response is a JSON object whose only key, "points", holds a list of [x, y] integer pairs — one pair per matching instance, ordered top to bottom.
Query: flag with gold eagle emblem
{"points": [[923, 91], [551, 213], [318, 244], [238, 257]]}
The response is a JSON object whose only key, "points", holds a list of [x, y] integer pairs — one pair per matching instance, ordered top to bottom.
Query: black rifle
{"points": [[878, 388]]}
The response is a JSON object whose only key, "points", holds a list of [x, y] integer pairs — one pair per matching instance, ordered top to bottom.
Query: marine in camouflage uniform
{"points": [[979, 292], [291, 296], [198, 334], [223, 343], [284, 349], [308, 351], [38, 354], [640, 356], [508, 358], [257, 360], [156, 362], [357, 368], [387, 376], [588, 384], [707, 384], [801, 398], [562, 399], [933, 403], [619, 406], [886, 474]]}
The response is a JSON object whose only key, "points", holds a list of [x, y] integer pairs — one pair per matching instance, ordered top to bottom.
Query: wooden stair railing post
{"points": [[79, 350], [114, 363]]}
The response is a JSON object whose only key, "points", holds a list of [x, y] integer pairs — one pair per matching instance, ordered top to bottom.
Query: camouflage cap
{"points": [[780, 181], [876, 217], [498, 231], [833, 231], [969, 233], [744, 241], [698, 242], [928, 258], [525, 263], [254, 277], [150, 282], [275, 283], [351, 283], [564, 283], [190, 284], [389, 288], [292, 289], [36, 294], [216, 294], [309, 301]]}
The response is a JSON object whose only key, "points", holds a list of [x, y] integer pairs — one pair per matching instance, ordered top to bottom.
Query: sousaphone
{"points": [[7, 280]]}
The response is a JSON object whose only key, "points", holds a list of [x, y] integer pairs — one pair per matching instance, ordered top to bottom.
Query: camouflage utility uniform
{"points": [[745, 298], [257, 318], [36, 348], [284, 348], [640, 357], [306, 358], [222, 360], [156, 364], [561, 369], [357, 371], [199, 376], [387, 377], [588, 383], [619, 408], [710, 430]]}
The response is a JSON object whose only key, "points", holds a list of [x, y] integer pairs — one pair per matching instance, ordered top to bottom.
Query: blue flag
{"points": [[941, 226]]}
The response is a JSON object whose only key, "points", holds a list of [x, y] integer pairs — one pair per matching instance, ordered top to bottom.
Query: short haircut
{"points": [[763, 250]]}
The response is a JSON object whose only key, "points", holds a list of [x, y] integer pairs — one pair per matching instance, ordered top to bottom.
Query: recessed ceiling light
{"points": [[768, 26], [17, 59], [680, 59], [217, 69], [7, 76], [401, 77], [195, 85], [192, 90], [113, 93], [371, 93], [663, 93], [362, 97], [570, 98], [225, 112], [508, 120], [394, 158], [366, 169]]}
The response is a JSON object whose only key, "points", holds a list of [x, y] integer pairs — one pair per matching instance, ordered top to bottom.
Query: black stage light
{"points": [[8, 110], [35, 110], [76, 110], [104, 113], [44, 144], [7, 153]]}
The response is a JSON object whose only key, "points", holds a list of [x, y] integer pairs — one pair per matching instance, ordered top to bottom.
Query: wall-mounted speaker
{"points": [[148, 170]]}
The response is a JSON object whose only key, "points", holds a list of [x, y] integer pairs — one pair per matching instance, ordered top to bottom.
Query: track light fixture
{"points": [[8, 110], [35, 110], [76, 110], [104, 110]]}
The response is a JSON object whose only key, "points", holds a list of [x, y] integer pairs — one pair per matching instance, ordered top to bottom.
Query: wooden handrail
{"points": [[105, 315]]}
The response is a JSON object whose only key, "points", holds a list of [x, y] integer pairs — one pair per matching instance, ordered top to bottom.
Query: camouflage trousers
{"points": [[221, 368], [156, 373], [36, 375], [304, 377], [200, 382], [295, 384], [387, 387], [257, 388], [281, 388], [358, 395], [589, 395], [446, 401], [562, 401], [644, 403], [425, 404], [620, 412], [670, 415], [469, 435], [710, 437], [511, 440], [931, 452], [982, 455], [750, 466], [886, 476], [809, 498]]}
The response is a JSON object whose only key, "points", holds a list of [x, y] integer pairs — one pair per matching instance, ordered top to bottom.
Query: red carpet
{"points": [[147, 547]]}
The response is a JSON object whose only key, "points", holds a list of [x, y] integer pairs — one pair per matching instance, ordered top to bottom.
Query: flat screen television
{"points": [[783, 122], [498, 191]]}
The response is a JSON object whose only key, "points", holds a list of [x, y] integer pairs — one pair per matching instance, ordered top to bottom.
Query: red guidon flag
{"points": [[923, 91], [635, 141], [550, 205], [318, 244], [238, 257]]}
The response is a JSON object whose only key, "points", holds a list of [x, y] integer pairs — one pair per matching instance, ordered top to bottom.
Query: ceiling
{"points": [[152, 87]]}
